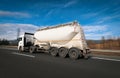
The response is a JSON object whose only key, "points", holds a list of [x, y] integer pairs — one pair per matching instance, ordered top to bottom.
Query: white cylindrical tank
{"points": [[61, 33]]}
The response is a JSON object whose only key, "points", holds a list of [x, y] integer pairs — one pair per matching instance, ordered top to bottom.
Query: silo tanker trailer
{"points": [[61, 40]]}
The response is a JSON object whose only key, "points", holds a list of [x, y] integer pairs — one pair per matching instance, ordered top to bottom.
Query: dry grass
{"points": [[110, 43]]}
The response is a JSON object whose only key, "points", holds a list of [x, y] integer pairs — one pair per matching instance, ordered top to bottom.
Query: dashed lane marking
{"points": [[23, 54], [100, 58], [105, 59]]}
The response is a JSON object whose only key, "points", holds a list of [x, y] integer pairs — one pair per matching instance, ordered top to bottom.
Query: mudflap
{"points": [[87, 55]]}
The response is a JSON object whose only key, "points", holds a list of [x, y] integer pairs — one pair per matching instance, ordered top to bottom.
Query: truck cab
{"points": [[25, 41]]}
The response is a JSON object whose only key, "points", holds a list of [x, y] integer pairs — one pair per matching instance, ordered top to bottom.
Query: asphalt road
{"points": [[103, 50], [42, 65]]}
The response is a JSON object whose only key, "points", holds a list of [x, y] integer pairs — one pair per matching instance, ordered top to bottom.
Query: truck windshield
{"points": [[20, 39]]}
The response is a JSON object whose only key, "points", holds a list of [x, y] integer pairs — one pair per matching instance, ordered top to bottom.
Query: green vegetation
{"points": [[4, 42]]}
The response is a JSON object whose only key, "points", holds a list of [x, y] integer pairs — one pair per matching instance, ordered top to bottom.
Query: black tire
{"points": [[36, 48], [20, 49], [32, 49], [53, 51], [63, 52], [74, 53]]}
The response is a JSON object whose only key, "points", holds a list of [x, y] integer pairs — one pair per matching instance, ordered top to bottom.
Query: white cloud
{"points": [[71, 2], [60, 6], [49, 13], [14, 14], [89, 15], [107, 18], [94, 28], [9, 30], [96, 31], [97, 36]]}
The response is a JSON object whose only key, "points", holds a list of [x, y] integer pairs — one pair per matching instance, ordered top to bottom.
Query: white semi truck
{"points": [[61, 40]]}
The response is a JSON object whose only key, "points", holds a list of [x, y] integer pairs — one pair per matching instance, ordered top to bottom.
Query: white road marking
{"points": [[10, 48], [23, 54], [105, 59], [109, 59]]}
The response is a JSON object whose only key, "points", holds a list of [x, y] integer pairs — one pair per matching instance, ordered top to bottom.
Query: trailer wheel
{"points": [[32, 49], [53, 51], [63, 52], [74, 53]]}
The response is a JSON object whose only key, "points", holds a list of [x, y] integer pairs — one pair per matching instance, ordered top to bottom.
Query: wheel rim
{"points": [[31, 50], [73, 53]]}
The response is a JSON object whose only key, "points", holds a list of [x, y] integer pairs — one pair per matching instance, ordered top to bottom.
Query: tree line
{"points": [[4, 42], [105, 43]]}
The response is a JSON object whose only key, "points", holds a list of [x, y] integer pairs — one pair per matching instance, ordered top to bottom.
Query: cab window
{"points": [[20, 39]]}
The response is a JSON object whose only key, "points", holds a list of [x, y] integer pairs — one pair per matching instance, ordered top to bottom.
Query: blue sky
{"points": [[97, 17]]}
